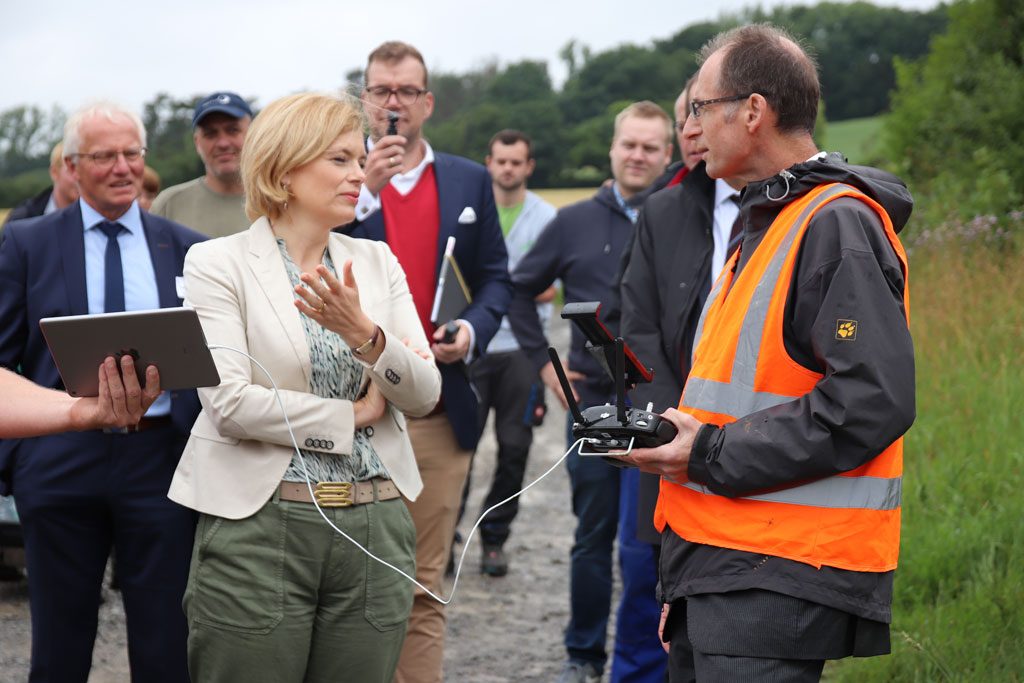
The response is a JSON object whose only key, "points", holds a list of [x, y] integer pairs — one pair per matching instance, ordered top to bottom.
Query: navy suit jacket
{"points": [[483, 260], [42, 274]]}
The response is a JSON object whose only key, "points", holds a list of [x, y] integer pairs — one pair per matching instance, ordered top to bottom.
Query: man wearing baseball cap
{"points": [[212, 204]]}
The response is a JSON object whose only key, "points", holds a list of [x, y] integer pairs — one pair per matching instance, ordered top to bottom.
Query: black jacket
{"points": [[30, 208], [581, 247], [845, 269], [664, 279], [665, 282]]}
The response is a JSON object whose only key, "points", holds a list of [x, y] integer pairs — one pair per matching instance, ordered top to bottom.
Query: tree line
{"points": [[856, 45]]}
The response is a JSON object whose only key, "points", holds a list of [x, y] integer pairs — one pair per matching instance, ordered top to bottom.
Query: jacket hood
{"points": [[769, 196]]}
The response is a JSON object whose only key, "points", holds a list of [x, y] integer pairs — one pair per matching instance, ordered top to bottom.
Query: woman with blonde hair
{"points": [[274, 593]]}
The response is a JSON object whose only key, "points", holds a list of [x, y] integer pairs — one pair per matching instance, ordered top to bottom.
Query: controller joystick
{"points": [[609, 428]]}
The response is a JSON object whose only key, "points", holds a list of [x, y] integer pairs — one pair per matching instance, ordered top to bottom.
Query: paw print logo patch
{"points": [[846, 330]]}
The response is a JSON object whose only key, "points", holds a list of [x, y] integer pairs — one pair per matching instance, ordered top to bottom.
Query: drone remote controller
{"points": [[607, 429]]}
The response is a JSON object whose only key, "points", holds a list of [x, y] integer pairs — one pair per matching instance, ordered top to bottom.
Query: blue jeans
{"points": [[595, 502], [639, 657]]}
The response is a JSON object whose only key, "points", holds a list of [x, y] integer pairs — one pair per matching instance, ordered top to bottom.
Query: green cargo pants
{"points": [[281, 597]]}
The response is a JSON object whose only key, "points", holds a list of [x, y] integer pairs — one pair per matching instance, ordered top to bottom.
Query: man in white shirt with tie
{"points": [[80, 494]]}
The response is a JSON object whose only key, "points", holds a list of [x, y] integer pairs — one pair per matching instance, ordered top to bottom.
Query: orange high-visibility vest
{"points": [[740, 366]]}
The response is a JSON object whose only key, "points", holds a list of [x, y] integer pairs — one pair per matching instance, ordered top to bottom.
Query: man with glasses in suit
{"points": [[416, 199]]}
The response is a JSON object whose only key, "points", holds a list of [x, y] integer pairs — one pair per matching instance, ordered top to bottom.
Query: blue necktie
{"points": [[113, 273]]}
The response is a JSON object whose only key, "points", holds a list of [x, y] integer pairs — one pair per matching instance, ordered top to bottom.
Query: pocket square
{"points": [[467, 216]]}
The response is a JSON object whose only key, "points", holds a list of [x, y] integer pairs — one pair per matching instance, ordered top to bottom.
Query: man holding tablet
{"points": [[79, 494]]}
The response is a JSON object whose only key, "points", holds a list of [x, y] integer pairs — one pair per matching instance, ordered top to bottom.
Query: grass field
{"points": [[858, 139], [559, 197], [960, 584]]}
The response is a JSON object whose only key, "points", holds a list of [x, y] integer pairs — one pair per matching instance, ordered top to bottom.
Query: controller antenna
{"points": [[620, 381], [574, 408]]}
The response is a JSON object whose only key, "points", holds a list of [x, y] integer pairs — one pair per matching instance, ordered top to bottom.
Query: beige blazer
{"points": [[239, 447]]}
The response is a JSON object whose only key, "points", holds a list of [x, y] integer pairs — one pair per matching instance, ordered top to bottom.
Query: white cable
{"points": [[309, 484]]}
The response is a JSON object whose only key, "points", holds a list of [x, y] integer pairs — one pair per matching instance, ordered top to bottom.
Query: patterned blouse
{"points": [[335, 374]]}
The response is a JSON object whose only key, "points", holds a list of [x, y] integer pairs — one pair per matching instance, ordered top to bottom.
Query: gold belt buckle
{"points": [[334, 494]]}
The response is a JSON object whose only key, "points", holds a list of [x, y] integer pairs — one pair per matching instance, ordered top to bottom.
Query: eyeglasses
{"points": [[407, 95], [697, 105], [106, 158]]}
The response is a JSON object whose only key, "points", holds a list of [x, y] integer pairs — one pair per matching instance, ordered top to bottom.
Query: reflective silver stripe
{"points": [[704, 313], [701, 392], [737, 397], [869, 493]]}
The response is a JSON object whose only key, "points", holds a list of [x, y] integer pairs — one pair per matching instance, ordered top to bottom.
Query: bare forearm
{"points": [[27, 409]]}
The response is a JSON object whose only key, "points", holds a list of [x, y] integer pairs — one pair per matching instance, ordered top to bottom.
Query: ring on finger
{"points": [[393, 160], [323, 306]]}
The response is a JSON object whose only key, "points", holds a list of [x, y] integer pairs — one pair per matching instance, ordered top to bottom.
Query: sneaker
{"points": [[493, 562], [580, 672]]}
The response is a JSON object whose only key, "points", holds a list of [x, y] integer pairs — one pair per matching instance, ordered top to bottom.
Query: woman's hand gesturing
{"points": [[335, 304]]}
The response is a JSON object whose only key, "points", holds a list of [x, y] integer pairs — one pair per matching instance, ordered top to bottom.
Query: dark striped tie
{"points": [[113, 272]]}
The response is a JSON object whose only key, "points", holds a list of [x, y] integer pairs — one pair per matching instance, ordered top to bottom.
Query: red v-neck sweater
{"points": [[412, 224]]}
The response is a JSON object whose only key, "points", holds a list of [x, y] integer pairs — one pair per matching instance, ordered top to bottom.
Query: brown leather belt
{"points": [[145, 424], [340, 494]]}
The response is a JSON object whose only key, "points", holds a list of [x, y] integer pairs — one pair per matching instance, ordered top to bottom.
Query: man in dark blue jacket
{"points": [[582, 247], [79, 494]]}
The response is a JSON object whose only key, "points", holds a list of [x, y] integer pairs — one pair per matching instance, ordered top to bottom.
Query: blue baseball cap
{"points": [[224, 102]]}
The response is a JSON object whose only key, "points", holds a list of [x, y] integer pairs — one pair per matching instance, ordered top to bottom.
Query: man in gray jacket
{"points": [[504, 378]]}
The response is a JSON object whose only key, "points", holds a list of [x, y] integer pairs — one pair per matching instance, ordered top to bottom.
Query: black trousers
{"points": [[504, 382], [79, 495], [754, 636]]}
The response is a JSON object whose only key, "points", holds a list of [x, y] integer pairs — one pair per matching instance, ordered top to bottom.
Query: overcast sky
{"points": [[66, 53]]}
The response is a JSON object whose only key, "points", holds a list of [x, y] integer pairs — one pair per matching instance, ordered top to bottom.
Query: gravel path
{"points": [[499, 629]]}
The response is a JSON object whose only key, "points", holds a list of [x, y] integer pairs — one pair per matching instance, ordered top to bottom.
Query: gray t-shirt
{"points": [[195, 205]]}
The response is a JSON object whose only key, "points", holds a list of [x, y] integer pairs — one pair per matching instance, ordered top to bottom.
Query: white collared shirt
{"points": [[404, 183], [725, 214]]}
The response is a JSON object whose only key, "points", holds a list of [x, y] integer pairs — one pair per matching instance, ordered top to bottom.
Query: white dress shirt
{"points": [[725, 214]]}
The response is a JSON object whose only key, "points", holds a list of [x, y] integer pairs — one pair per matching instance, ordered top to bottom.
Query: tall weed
{"points": [[959, 594]]}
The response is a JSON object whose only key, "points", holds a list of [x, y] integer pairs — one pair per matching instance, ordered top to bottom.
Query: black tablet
{"points": [[169, 338]]}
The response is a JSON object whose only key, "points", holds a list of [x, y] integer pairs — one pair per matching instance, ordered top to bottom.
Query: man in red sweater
{"points": [[415, 199]]}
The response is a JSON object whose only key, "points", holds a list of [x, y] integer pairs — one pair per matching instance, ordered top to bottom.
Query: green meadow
{"points": [[858, 139], [959, 592]]}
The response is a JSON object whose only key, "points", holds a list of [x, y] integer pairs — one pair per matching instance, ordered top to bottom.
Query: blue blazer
{"points": [[483, 260], [42, 274]]}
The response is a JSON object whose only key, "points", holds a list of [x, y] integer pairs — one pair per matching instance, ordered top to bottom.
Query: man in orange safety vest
{"points": [[780, 496]]}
